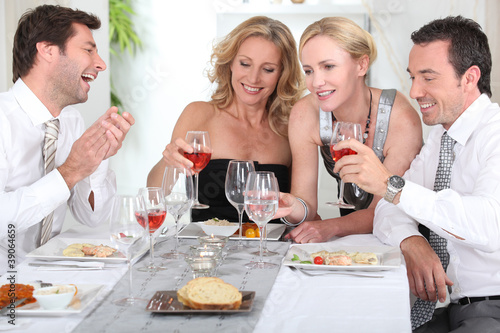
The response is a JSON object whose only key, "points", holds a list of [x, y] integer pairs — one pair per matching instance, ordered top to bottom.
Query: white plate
{"points": [[193, 230], [53, 250], [388, 257], [86, 292]]}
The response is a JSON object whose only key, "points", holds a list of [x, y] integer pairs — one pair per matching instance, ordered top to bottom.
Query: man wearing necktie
{"points": [[48, 161], [452, 186]]}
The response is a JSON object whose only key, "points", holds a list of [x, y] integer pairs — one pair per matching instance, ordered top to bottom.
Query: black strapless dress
{"points": [[211, 190]]}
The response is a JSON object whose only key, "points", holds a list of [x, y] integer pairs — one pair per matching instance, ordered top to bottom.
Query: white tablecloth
{"points": [[296, 303], [338, 303]]}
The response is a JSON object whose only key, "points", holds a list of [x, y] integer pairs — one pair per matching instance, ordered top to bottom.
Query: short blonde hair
{"points": [[351, 37], [289, 87]]}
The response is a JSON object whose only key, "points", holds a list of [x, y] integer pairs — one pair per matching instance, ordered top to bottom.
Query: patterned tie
{"points": [[49, 154], [422, 311]]}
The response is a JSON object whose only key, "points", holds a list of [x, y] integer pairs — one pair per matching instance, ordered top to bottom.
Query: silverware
{"points": [[319, 273], [44, 284], [6, 308]]}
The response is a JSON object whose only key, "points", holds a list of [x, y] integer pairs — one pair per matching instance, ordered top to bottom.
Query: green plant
{"points": [[121, 35]]}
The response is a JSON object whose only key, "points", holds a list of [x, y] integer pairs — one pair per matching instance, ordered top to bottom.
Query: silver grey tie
{"points": [[49, 154], [422, 311]]}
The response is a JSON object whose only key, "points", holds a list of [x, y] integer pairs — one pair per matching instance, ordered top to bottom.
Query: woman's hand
{"points": [[174, 154]]}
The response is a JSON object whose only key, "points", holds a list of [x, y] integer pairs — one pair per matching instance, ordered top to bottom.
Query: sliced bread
{"points": [[210, 294]]}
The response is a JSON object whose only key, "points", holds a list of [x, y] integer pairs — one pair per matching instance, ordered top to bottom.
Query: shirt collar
{"points": [[34, 108], [463, 127]]}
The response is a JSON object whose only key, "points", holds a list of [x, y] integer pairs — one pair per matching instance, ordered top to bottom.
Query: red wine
{"points": [[338, 154], [200, 160], [155, 218]]}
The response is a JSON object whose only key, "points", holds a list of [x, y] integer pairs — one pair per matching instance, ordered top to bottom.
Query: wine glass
{"points": [[343, 131], [202, 152], [236, 178], [178, 191], [154, 204], [261, 204], [127, 237], [265, 251]]}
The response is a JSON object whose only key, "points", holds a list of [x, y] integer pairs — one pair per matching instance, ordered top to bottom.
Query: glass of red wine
{"points": [[343, 131], [202, 152], [154, 204]]}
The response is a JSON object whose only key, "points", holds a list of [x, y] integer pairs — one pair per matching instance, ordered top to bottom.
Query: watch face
{"points": [[397, 182]]}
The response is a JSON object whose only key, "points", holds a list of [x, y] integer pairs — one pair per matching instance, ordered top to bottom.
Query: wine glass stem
{"points": [[196, 188], [341, 192], [176, 218], [240, 218], [265, 237], [151, 250], [261, 259], [129, 262]]}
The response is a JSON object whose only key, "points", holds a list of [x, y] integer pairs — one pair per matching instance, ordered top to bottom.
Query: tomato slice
{"points": [[318, 260]]}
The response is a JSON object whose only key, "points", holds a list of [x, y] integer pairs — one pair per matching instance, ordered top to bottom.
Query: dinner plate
{"points": [[193, 230], [53, 250], [388, 257], [86, 294], [166, 302]]}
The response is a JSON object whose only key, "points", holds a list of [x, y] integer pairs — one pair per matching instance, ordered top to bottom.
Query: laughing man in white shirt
{"points": [[55, 59], [450, 66]]}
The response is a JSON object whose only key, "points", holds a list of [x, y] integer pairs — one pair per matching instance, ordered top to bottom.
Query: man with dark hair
{"points": [[47, 160], [452, 186]]}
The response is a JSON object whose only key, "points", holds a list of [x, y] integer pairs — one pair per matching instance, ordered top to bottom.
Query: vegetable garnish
{"points": [[296, 258]]}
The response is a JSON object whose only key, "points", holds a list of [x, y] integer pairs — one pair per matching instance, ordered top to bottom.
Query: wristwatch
{"points": [[394, 185]]}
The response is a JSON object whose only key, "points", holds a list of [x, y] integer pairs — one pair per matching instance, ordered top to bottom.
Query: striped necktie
{"points": [[49, 154], [422, 311]]}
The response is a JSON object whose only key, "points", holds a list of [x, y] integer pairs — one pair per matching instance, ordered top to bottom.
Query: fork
{"points": [[337, 273]]}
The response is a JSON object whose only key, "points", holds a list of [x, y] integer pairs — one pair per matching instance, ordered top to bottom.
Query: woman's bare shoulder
{"points": [[306, 109], [197, 112]]}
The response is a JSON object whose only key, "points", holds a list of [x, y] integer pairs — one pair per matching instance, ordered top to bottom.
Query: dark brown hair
{"points": [[47, 23], [468, 46]]}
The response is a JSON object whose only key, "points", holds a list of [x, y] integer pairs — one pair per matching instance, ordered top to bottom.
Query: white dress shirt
{"points": [[27, 195], [470, 209]]}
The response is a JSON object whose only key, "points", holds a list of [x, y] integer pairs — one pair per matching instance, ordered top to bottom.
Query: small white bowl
{"points": [[226, 230], [56, 297]]}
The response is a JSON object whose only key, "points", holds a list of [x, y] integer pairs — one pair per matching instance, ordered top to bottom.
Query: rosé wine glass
{"points": [[343, 131], [202, 152], [154, 204]]}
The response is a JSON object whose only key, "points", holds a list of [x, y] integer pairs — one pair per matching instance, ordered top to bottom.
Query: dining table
{"points": [[285, 298]]}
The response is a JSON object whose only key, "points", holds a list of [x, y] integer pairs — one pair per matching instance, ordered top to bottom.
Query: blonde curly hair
{"points": [[290, 84]]}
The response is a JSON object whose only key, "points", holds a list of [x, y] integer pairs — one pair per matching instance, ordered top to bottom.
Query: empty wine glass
{"points": [[343, 131], [202, 152], [236, 178], [178, 191], [154, 204], [261, 204], [128, 237]]}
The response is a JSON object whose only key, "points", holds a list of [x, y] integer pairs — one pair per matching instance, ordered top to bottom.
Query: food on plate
{"points": [[216, 221], [247, 226], [86, 249], [342, 258], [368, 258], [338, 260], [16, 291], [210, 293], [56, 297]]}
